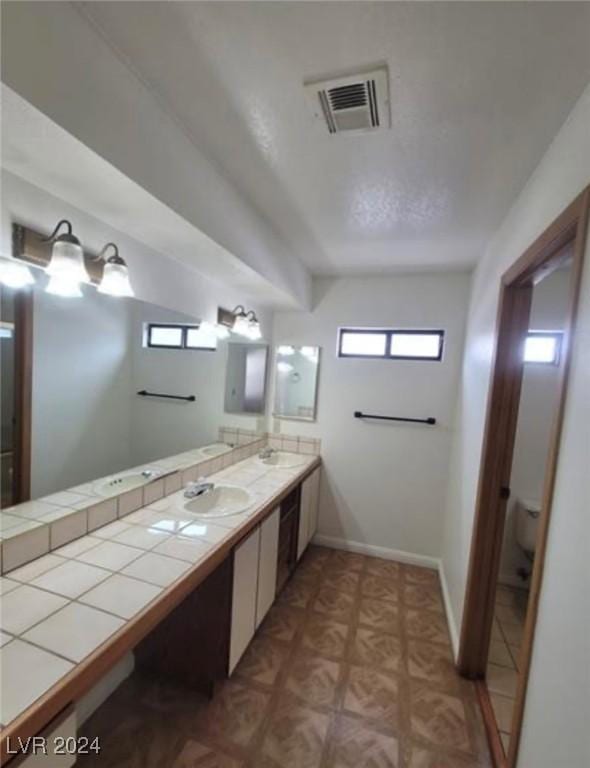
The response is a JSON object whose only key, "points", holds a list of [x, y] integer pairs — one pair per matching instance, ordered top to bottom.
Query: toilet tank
{"points": [[528, 512]]}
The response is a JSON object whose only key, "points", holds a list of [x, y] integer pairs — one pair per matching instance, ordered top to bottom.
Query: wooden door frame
{"points": [[565, 236], [23, 392]]}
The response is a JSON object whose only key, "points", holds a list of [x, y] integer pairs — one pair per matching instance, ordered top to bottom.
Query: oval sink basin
{"points": [[215, 450], [284, 460], [122, 483], [222, 501]]}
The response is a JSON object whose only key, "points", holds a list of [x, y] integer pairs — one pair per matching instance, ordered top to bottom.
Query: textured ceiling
{"points": [[478, 91]]}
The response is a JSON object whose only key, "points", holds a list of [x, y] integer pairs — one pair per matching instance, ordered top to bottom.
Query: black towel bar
{"points": [[188, 398], [361, 415]]}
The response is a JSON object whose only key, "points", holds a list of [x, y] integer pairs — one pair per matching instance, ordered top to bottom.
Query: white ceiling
{"points": [[478, 90]]}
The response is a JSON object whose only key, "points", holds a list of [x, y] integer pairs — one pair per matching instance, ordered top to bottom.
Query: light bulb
{"points": [[67, 261], [15, 274], [115, 279], [64, 286], [241, 325], [221, 331], [254, 332], [285, 350]]}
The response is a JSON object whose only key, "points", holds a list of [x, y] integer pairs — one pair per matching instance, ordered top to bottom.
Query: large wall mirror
{"points": [[296, 382], [115, 385]]}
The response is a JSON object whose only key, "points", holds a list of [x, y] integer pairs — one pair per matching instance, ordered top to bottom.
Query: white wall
{"points": [[538, 401], [384, 483], [558, 706]]}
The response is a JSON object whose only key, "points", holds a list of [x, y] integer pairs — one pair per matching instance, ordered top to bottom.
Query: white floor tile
{"points": [[75, 631], [27, 672]]}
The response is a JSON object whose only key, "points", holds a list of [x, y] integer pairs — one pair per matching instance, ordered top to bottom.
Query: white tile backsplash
{"points": [[130, 501], [101, 514], [68, 528], [24, 547]]}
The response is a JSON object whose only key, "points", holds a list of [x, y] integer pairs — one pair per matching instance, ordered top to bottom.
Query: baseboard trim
{"points": [[371, 549], [401, 556], [452, 624]]}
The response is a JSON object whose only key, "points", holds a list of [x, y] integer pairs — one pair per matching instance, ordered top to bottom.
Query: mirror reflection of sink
{"points": [[215, 450], [283, 459], [124, 482], [222, 501]]}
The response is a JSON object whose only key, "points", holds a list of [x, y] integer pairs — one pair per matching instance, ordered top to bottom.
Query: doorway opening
{"points": [[536, 322], [16, 347]]}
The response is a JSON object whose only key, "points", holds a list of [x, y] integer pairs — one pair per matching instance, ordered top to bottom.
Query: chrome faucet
{"points": [[266, 453], [199, 488]]}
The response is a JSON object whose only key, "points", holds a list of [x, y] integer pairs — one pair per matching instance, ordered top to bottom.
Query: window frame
{"points": [[184, 328], [389, 333], [557, 335]]}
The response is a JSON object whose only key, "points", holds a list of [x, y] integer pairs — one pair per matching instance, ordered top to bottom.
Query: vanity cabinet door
{"points": [[314, 508], [304, 515], [267, 565], [245, 584]]}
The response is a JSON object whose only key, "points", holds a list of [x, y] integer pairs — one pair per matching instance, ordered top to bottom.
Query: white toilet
{"points": [[528, 512]]}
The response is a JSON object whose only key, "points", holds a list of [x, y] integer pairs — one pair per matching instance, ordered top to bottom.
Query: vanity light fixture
{"points": [[67, 257], [15, 274], [115, 276], [241, 322], [286, 350]]}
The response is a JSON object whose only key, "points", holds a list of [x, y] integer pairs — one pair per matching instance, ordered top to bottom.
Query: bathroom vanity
{"points": [[198, 624]]}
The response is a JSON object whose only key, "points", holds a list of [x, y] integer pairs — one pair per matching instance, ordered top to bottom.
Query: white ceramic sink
{"points": [[215, 450], [283, 459], [124, 482], [222, 501]]}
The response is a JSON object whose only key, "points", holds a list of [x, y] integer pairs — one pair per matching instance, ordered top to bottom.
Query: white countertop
{"points": [[60, 608]]}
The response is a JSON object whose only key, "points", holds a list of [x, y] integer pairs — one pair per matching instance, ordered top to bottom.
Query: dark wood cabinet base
{"points": [[191, 646]]}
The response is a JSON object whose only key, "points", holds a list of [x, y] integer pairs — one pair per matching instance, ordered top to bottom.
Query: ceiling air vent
{"points": [[353, 103]]}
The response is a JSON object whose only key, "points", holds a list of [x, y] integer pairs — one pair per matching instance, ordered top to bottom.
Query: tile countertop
{"points": [[60, 611]]}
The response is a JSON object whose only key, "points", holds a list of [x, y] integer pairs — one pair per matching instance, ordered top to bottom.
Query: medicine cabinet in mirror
{"points": [[245, 380], [296, 382]]}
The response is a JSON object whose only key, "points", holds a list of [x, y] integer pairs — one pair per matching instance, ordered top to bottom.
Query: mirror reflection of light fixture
{"points": [[67, 260], [15, 274], [115, 274], [241, 321], [221, 331], [254, 332], [285, 350], [283, 367]]}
